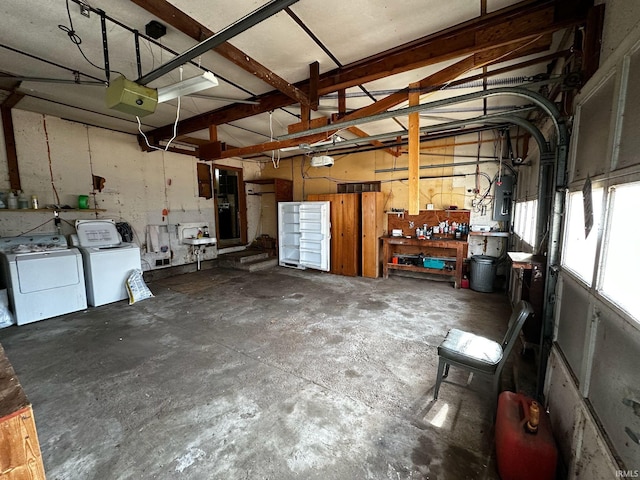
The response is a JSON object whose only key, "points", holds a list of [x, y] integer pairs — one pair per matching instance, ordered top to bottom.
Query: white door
{"points": [[315, 235]]}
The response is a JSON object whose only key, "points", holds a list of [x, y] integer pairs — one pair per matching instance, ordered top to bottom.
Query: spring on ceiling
{"points": [[494, 82]]}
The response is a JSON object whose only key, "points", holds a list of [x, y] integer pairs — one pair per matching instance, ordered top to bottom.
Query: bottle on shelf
{"points": [[12, 201], [23, 201], [34, 202]]}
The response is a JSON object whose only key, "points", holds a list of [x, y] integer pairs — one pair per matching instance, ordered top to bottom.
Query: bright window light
{"points": [[524, 224], [578, 252], [621, 258], [440, 417]]}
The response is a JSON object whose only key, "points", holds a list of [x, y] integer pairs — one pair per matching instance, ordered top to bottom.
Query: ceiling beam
{"points": [[179, 20], [505, 28], [452, 72], [441, 77], [444, 77], [362, 134], [10, 138]]}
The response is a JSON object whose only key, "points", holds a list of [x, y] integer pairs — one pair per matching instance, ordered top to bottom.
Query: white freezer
{"points": [[304, 235]]}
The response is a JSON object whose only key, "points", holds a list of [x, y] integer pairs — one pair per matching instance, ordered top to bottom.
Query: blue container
{"points": [[433, 263]]}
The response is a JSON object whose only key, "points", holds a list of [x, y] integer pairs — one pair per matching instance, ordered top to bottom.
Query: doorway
{"points": [[231, 212]]}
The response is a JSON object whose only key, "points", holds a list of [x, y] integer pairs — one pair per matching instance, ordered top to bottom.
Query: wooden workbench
{"points": [[433, 248]]}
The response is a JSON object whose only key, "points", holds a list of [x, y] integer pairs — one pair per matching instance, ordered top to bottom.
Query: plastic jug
{"points": [[12, 201], [23, 201]]}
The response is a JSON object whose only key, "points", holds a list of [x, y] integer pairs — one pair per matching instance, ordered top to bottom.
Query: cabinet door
{"points": [[373, 225], [345, 231], [315, 235]]}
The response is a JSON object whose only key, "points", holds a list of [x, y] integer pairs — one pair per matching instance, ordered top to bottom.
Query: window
{"points": [[524, 224], [578, 252], [621, 257]]}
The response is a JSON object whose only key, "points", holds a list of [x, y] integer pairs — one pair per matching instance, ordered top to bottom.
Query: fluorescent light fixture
{"points": [[185, 87]]}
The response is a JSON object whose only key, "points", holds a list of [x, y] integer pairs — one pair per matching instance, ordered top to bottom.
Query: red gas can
{"points": [[523, 455]]}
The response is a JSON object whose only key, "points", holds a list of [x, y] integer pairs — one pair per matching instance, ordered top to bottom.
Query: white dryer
{"points": [[107, 260], [43, 277]]}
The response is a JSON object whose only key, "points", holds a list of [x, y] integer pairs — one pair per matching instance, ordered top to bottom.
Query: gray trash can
{"points": [[483, 273]]}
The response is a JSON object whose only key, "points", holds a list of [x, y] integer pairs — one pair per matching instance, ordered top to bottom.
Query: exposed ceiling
{"points": [[368, 52]]}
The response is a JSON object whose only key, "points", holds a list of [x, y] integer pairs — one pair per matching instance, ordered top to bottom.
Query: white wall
{"points": [[57, 165]]}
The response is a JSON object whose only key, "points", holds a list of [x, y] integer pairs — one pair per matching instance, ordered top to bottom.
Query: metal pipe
{"points": [[219, 38], [542, 102], [431, 128], [531, 128], [425, 138], [440, 165], [427, 177], [545, 194]]}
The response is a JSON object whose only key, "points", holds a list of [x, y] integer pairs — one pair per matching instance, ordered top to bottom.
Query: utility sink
{"points": [[199, 241]]}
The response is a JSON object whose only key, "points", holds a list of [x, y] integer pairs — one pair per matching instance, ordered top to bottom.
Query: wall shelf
{"points": [[33, 210]]}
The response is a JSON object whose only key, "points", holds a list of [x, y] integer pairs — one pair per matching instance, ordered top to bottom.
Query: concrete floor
{"points": [[279, 374]]}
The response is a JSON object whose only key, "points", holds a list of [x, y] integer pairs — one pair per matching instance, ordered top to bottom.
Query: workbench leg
{"points": [[385, 259], [459, 262]]}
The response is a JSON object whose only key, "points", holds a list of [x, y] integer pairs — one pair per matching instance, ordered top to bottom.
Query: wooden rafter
{"points": [[194, 29], [508, 30], [450, 73], [445, 76], [439, 78], [9, 138], [377, 143]]}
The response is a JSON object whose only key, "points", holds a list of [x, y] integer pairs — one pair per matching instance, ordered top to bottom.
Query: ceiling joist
{"points": [[506, 34]]}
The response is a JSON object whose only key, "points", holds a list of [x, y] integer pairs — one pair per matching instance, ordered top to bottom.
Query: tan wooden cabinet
{"points": [[357, 223], [345, 231]]}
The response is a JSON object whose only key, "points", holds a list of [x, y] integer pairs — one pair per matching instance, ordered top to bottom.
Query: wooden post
{"points": [[314, 80], [342, 103], [10, 139], [414, 151]]}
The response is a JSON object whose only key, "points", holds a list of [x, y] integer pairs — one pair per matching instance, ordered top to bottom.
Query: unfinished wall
{"points": [[57, 159], [442, 186]]}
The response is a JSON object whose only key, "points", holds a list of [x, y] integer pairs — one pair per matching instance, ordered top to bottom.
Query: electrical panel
{"points": [[503, 199]]}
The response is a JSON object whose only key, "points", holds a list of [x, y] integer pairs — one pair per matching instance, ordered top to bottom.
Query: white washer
{"points": [[108, 261], [44, 278]]}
